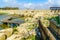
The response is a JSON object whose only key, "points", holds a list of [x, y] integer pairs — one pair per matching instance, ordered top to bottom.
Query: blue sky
{"points": [[32, 1], [32, 4]]}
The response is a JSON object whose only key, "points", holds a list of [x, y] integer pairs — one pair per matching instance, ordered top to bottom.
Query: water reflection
{"points": [[17, 20]]}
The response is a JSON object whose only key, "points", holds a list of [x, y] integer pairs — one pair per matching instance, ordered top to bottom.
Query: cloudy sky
{"points": [[32, 4]]}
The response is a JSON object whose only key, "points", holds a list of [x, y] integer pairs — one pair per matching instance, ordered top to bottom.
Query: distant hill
{"points": [[9, 8], [55, 8]]}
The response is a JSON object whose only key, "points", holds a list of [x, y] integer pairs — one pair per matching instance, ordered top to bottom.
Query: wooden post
{"points": [[45, 32]]}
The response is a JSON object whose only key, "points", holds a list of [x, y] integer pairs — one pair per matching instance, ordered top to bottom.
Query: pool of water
{"points": [[3, 16], [13, 20], [19, 20]]}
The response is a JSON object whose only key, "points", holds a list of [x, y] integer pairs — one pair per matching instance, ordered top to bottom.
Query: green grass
{"points": [[2, 13], [56, 19]]}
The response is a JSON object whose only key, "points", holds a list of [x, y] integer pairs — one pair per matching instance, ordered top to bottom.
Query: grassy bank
{"points": [[2, 13]]}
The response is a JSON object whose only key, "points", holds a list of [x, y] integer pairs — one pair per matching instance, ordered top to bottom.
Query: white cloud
{"points": [[5, 0], [10, 1], [57, 2], [27, 5], [45, 5]]}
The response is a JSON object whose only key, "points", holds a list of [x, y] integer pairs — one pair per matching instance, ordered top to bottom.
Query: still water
{"points": [[13, 20]]}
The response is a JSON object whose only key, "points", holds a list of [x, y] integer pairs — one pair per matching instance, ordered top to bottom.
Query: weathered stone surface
{"points": [[23, 31], [7, 32], [2, 36], [15, 37]]}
